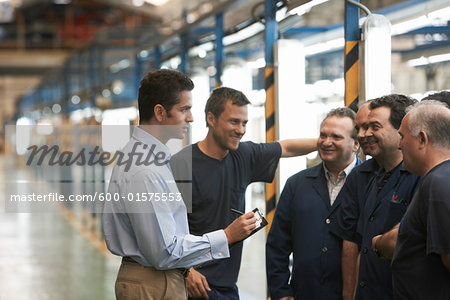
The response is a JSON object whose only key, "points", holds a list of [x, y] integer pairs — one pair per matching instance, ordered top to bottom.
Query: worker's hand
{"points": [[241, 228], [374, 241], [197, 285]]}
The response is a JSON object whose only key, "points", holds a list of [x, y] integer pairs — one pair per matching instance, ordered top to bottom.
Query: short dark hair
{"points": [[161, 87], [443, 96], [218, 99], [397, 103], [343, 112]]}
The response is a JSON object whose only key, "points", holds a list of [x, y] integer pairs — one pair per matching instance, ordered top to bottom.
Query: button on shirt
{"points": [[335, 185], [153, 232]]}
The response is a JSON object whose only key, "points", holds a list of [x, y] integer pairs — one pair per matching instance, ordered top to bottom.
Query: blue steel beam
{"points": [[399, 6], [306, 29], [204, 30], [271, 30], [430, 30], [421, 48], [219, 49], [183, 52], [157, 54], [137, 73]]}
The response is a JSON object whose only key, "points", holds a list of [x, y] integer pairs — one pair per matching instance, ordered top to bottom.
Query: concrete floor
{"points": [[45, 256]]}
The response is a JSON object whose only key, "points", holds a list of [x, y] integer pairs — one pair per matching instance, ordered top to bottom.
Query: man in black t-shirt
{"points": [[220, 168], [421, 262]]}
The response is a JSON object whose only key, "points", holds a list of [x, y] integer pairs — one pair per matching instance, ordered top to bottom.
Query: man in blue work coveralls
{"points": [[388, 195], [303, 216], [421, 262]]}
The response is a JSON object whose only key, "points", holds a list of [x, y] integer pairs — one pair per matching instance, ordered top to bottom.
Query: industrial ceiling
{"points": [[37, 36]]}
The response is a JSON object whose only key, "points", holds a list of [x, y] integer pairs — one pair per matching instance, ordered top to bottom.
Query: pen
{"points": [[236, 211]]}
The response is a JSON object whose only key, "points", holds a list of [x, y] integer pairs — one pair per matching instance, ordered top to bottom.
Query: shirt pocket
{"points": [[395, 213]]}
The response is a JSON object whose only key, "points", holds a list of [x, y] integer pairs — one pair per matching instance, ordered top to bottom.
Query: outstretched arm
{"points": [[296, 147]]}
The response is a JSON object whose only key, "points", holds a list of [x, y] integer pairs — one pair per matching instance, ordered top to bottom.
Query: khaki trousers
{"points": [[136, 282]]}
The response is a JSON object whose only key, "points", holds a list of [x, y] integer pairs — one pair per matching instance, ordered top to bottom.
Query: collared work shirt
{"points": [[335, 185], [381, 212], [301, 226], [153, 232]]}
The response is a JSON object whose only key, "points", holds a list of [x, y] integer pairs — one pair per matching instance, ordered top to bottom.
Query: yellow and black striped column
{"points": [[270, 38], [351, 73], [271, 188]]}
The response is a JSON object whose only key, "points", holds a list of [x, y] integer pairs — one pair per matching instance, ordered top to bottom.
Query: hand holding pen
{"points": [[241, 228]]}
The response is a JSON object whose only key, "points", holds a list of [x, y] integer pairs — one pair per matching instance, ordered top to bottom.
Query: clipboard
{"points": [[261, 222]]}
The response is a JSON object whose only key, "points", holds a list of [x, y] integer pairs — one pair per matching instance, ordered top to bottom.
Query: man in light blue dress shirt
{"points": [[146, 221]]}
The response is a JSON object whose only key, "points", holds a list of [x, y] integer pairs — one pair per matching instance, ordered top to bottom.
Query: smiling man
{"points": [[220, 168], [387, 195], [353, 198], [303, 216]]}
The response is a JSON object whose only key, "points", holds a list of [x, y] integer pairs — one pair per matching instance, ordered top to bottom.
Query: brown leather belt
{"points": [[183, 271]]}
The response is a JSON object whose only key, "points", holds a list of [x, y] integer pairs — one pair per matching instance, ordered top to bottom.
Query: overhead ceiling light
{"points": [[62, 2], [156, 2], [138, 3], [304, 8], [443, 13], [191, 17], [433, 18], [409, 25], [243, 34], [144, 53], [202, 53], [422, 61], [119, 66], [75, 99]]}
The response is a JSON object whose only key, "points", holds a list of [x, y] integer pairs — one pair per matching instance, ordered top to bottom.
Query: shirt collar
{"points": [[146, 138], [399, 167], [345, 172]]}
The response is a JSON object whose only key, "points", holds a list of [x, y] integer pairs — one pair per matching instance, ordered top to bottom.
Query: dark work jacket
{"points": [[353, 195], [381, 212], [301, 226]]}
